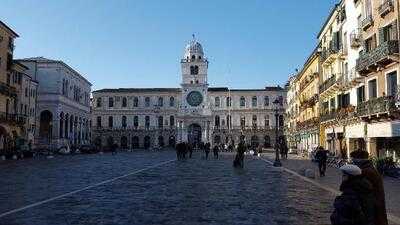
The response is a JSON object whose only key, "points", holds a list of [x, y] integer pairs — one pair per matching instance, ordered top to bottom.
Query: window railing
{"points": [[386, 7], [367, 22], [355, 38], [378, 55], [327, 83], [8, 90], [381, 105], [18, 119]]}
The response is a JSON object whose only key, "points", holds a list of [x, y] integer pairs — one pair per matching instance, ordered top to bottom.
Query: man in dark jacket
{"points": [[207, 149], [216, 150], [322, 157], [360, 158], [356, 204]]}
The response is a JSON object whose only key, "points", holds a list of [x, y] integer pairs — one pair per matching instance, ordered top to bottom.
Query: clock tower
{"points": [[194, 109]]}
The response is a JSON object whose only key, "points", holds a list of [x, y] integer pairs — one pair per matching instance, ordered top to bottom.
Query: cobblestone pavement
{"points": [[333, 179], [194, 191]]}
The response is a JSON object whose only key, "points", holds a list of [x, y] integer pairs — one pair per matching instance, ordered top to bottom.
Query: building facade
{"points": [[358, 51], [63, 103], [303, 107], [16, 117], [156, 117]]}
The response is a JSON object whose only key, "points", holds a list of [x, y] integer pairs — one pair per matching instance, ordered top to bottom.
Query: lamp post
{"points": [[276, 104]]}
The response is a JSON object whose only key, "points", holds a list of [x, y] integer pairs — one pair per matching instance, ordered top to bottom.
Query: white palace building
{"points": [[156, 117]]}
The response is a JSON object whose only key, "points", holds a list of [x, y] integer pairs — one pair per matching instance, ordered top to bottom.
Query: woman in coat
{"points": [[356, 204]]}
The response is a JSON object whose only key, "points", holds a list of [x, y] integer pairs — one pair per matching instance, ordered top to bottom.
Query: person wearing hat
{"points": [[361, 159], [356, 204]]}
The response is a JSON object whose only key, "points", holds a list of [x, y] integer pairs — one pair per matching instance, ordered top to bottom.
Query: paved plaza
{"points": [[154, 188]]}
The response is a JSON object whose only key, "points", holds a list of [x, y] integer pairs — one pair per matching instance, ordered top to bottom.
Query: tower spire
{"points": [[194, 37]]}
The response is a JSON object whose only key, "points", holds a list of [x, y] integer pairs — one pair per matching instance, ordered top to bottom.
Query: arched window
{"points": [[199, 56], [193, 57], [147, 101], [160, 101], [171, 101], [254, 101], [266, 101], [98, 102], [110, 102], [124, 102], [135, 102], [217, 102], [228, 102], [242, 102], [98, 121], [110, 121], [123, 121], [135, 121], [147, 121], [171, 121], [243, 121], [254, 121], [266, 121], [160, 122], [217, 122], [61, 125], [124, 142]]}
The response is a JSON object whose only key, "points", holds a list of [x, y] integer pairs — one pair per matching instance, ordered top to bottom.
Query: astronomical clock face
{"points": [[194, 98]]}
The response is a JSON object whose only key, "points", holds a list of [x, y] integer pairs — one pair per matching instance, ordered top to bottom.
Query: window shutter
{"points": [[394, 30], [381, 36]]}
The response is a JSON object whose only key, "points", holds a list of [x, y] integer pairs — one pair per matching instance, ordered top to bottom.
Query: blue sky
{"points": [[138, 43]]}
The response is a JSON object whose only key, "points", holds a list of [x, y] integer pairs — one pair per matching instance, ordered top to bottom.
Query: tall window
{"points": [[391, 80], [372, 89], [360, 94], [147, 101], [160, 101], [242, 101], [254, 101], [266, 101], [98, 102], [110, 102], [124, 102], [135, 102], [171, 102], [217, 102], [228, 102], [98, 121], [110, 121], [124, 121], [135, 121], [147, 121], [171, 121], [216, 121], [229, 121], [243, 121], [254, 121], [266, 121], [281, 121], [160, 122]]}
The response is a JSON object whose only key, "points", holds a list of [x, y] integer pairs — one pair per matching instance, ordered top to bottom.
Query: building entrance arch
{"points": [[194, 134]]}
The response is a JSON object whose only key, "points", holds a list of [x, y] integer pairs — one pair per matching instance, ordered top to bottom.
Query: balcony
{"points": [[385, 8], [367, 22], [355, 39], [328, 55], [381, 56], [350, 80], [330, 85], [7, 90], [310, 102], [376, 107], [341, 114], [328, 116], [17, 119], [308, 124]]}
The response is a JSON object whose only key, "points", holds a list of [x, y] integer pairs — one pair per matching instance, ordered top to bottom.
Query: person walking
{"points": [[207, 149], [190, 150], [215, 150], [322, 157], [239, 159], [361, 159], [356, 204]]}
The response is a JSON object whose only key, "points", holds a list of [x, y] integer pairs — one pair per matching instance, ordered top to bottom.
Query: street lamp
{"points": [[276, 104]]}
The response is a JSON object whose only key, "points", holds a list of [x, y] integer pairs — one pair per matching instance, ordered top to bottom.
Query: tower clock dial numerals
{"points": [[194, 98]]}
